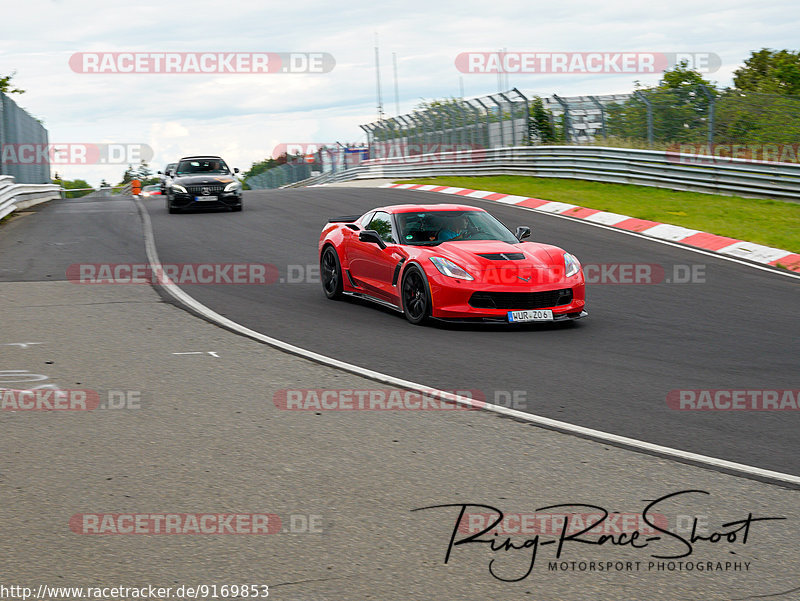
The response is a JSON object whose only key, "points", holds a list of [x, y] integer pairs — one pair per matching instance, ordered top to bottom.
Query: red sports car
{"points": [[449, 262]]}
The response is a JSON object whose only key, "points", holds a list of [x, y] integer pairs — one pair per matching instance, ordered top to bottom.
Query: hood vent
{"points": [[502, 256]]}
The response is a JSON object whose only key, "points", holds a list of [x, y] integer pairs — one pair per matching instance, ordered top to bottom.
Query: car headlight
{"points": [[232, 186], [179, 188], [571, 265], [448, 268]]}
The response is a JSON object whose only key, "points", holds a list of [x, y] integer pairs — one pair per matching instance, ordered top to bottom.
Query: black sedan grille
{"points": [[207, 190], [515, 301]]}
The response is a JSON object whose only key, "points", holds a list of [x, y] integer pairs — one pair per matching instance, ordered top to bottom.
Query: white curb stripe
{"points": [[511, 199], [556, 207], [607, 218], [665, 231], [754, 252]]}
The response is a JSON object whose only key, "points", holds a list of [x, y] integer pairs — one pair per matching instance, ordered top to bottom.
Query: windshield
{"points": [[212, 166], [434, 227]]}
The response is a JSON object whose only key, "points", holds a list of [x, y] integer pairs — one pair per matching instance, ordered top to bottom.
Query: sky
{"points": [[243, 117]]}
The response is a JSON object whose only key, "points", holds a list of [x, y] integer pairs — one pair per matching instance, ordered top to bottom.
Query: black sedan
{"points": [[203, 182]]}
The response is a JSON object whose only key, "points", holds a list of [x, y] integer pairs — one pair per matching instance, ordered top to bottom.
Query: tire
{"points": [[236, 209], [170, 210], [331, 273], [416, 296]]}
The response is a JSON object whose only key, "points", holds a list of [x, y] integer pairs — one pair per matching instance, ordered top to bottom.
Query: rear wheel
{"points": [[331, 272], [416, 297]]}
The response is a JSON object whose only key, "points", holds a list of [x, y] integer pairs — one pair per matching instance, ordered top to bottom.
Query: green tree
{"points": [[770, 72], [6, 87], [680, 107], [542, 129], [260, 167], [143, 172], [129, 175], [72, 185]]}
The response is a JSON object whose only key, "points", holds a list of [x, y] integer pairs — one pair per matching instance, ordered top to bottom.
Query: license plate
{"points": [[205, 198], [530, 315]]}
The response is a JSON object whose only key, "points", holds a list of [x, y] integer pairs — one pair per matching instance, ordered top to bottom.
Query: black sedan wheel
{"points": [[331, 272], [416, 298]]}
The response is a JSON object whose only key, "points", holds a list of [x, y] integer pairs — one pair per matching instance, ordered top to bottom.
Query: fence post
{"points": [[711, 102], [649, 106], [602, 110], [527, 114], [567, 120], [488, 123], [500, 123]]}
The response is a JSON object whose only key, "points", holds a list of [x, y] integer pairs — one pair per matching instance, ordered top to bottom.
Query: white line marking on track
{"points": [[211, 315]]}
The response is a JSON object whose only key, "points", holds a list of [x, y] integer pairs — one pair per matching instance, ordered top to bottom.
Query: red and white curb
{"points": [[663, 231]]}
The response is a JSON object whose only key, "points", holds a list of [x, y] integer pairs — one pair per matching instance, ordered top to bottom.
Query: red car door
{"points": [[370, 265]]}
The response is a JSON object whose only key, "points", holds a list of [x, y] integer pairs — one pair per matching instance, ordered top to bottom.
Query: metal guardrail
{"points": [[714, 175], [15, 196]]}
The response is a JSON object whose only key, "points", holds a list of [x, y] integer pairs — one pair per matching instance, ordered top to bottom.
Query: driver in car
{"points": [[461, 227]]}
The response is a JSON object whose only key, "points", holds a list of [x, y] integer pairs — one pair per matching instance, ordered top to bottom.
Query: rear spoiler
{"points": [[345, 219]]}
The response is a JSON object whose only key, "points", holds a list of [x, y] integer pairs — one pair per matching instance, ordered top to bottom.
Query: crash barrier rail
{"points": [[662, 169], [15, 196]]}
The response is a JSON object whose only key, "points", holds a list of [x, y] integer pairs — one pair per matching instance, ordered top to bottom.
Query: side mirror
{"points": [[236, 170], [159, 173], [170, 173], [523, 231], [371, 236]]}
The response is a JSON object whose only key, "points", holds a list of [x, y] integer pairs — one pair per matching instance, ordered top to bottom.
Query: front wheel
{"points": [[170, 209], [331, 272], [416, 296]]}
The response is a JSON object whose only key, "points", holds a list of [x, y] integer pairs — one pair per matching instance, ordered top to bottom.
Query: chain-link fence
{"points": [[659, 119], [497, 120], [691, 120], [22, 139], [327, 159], [288, 173]]}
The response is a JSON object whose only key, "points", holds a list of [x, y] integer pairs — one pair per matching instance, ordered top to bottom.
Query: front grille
{"points": [[210, 189], [502, 256], [516, 301]]}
